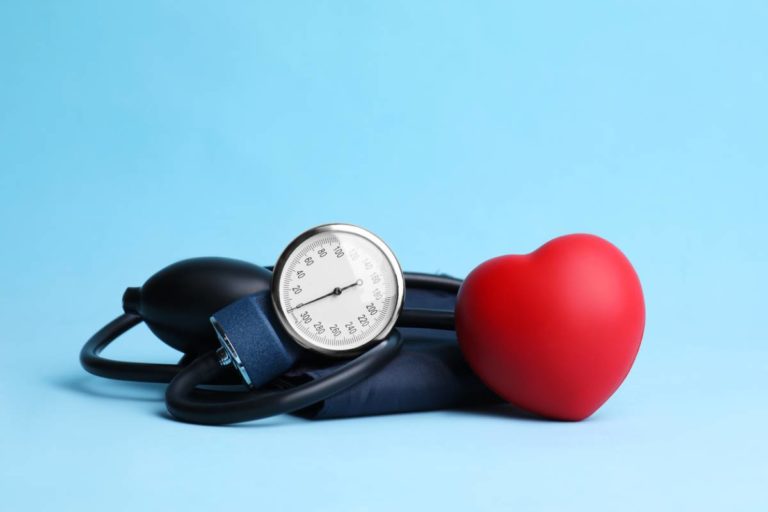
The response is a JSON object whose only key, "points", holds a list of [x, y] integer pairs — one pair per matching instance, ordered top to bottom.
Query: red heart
{"points": [[555, 331]]}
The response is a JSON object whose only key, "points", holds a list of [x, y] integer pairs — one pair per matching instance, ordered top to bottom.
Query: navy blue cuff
{"points": [[249, 332], [428, 374]]}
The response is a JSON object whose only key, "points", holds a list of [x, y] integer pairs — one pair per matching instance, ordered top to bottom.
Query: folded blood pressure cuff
{"points": [[429, 373]]}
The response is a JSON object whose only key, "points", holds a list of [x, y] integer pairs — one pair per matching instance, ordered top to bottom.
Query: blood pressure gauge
{"points": [[337, 288]]}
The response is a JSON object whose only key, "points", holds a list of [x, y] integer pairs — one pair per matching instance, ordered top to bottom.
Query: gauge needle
{"points": [[335, 291]]}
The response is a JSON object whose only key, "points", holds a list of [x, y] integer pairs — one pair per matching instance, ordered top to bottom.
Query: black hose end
{"points": [[132, 300]]}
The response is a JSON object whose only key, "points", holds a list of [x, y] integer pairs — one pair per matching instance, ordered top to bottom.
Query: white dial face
{"points": [[338, 289]]}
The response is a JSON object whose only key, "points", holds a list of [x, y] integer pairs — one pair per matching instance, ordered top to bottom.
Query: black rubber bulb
{"points": [[177, 302]]}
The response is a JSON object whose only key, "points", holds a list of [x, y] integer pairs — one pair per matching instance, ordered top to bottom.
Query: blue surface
{"points": [[134, 134]]}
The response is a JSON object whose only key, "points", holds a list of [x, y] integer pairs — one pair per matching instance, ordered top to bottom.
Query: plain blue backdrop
{"points": [[134, 134]]}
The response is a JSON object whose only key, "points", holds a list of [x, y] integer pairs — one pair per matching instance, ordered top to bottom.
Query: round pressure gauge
{"points": [[336, 288]]}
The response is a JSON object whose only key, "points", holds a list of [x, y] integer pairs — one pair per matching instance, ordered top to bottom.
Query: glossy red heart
{"points": [[555, 331]]}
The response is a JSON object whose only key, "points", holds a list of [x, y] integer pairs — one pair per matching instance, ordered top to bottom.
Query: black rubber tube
{"points": [[432, 281], [427, 319], [121, 370]]}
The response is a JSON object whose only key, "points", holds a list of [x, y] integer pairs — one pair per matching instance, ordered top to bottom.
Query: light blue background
{"points": [[134, 134]]}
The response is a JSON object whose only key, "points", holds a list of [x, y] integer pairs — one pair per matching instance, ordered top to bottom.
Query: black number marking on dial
{"points": [[305, 317]]}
